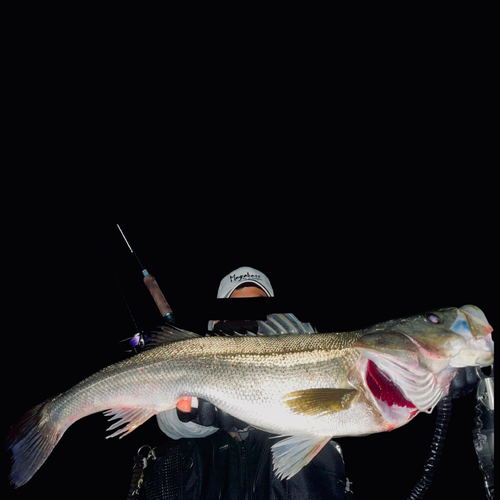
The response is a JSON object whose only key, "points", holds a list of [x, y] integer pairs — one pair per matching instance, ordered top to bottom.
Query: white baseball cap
{"points": [[242, 276]]}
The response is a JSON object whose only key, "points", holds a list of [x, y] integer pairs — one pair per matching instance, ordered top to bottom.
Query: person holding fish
{"points": [[300, 388], [226, 457]]}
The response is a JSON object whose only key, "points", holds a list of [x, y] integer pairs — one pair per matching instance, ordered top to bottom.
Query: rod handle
{"points": [[157, 294]]}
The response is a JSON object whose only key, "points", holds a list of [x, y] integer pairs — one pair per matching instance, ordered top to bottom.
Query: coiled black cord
{"points": [[443, 414]]}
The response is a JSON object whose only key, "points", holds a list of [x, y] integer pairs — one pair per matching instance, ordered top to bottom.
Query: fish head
{"points": [[454, 337], [408, 364]]}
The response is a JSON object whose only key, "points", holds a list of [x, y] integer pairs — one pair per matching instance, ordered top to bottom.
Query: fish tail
{"points": [[31, 441]]}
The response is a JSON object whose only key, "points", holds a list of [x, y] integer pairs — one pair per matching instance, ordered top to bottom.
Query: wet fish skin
{"points": [[311, 387]]}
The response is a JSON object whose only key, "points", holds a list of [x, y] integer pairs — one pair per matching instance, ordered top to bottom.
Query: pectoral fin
{"points": [[315, 402], [292, 453]]}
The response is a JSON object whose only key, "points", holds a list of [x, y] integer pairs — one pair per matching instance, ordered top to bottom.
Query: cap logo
{"points": [[238, 278]]}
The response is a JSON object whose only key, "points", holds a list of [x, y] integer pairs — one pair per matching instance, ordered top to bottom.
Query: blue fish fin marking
{"points": [[461, 327], [134, 417], [294, 452]]}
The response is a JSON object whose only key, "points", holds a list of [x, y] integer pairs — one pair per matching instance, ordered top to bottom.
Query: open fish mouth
{"points": [[472, 325]]}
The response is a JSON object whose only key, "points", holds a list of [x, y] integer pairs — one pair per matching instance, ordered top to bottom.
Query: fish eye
{"points": [[433, 318]]}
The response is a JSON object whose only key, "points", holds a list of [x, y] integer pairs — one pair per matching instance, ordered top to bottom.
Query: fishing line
{"points": [[130, 248], [124, 298], [139, 337], [138, 341]]}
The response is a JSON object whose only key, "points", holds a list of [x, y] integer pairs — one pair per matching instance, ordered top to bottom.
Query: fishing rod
{"points": [[152, 286]]}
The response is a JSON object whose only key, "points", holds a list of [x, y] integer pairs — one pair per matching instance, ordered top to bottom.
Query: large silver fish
{"points": [[309, 387]]}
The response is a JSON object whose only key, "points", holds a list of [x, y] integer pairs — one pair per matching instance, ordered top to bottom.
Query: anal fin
{"points": [[134, 417], [292, 453]]}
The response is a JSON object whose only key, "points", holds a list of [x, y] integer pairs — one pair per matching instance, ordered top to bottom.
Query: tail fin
{"points": [[31, 441]]}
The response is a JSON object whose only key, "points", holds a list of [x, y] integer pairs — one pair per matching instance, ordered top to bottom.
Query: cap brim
{"points": [[256, 283]]}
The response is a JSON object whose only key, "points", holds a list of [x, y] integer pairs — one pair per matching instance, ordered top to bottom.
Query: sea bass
{"points": [[307, 387]]}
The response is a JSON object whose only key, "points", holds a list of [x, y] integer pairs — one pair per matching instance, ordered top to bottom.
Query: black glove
{"points": [[230, 328], [465, 381], [209, 416]]}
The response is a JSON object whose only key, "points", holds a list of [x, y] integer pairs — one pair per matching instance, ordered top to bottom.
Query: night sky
{"points": [[339, 255]]}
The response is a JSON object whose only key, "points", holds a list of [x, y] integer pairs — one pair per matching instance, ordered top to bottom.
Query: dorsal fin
{"points": [[275, 324], [280, 324], [168, 333]]}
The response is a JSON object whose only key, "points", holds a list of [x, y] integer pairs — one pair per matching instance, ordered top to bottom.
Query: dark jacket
{"points": [[221, 467]]}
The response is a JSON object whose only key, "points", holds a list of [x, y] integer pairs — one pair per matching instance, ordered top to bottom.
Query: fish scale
{"points": [[308, 386]]}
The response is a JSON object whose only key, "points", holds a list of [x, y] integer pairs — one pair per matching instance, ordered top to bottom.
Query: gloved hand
{"points": [[230, 328], [465, 381], [209, 416]]}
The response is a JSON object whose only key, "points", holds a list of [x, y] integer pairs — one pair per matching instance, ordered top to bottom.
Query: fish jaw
{"points": [[471, 324]]}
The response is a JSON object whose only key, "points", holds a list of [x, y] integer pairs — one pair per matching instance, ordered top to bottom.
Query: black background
{"points": [[353, 168], [342, 252]]}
